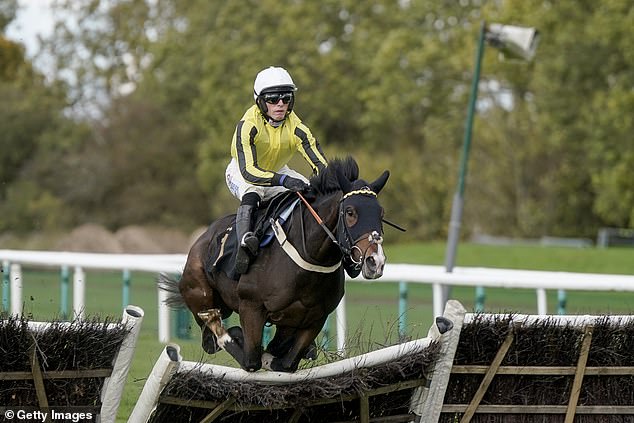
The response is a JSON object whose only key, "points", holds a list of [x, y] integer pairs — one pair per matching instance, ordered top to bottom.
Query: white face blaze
{"points": [[374, 263]]}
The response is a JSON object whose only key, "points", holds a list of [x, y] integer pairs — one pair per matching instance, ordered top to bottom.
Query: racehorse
{"points": [[294, 283]]}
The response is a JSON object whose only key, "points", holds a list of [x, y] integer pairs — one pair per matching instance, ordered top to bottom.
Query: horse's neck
{"points": [[328, 210], [319, 246]]}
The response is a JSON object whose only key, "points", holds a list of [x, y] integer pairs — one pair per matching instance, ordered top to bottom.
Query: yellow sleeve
{"points": [[309, 147], [244, 150]]}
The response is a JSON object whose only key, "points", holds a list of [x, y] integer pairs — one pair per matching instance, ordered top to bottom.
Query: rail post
{"points": [[6, 280], [16, 289], [63, 291], [79, 293], [125, 296], [480, 296], [561, 301], [542, 304], [402, 309], [164, 317], [267, 333]]}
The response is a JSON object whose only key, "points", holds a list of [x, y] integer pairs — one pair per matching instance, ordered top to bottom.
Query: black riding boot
{"points": [[249, 243]]}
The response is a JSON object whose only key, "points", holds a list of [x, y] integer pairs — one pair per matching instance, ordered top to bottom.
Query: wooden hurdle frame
{"points": [[113, 377], [426, 397], [428, 402], [572, 408]]}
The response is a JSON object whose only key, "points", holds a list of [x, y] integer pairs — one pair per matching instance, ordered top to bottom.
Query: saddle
{"points": [[221, 254]]}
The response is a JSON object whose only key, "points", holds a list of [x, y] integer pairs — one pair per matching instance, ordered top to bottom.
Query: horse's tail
{"points": [[174, 298]]}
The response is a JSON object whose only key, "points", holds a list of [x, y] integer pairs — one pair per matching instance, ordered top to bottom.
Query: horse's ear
{"points": [[344, 183], [378, 185]]}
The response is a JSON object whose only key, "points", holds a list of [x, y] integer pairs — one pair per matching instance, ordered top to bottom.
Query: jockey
{"points": [[265, 139]]}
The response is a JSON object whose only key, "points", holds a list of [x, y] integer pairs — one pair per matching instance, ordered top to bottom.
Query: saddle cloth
{"points": [[221, 255]]}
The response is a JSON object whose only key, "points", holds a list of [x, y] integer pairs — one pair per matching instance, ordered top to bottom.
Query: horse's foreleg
{"points": [[252, 319], [213, 320], [303, 340]]}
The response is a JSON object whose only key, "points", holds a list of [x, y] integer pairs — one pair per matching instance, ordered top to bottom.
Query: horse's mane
{"points": [[326, 182]]}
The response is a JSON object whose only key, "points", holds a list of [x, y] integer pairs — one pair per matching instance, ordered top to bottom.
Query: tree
{"points": [[8, 9], [386, 81], [30, 113], [563, 140]]}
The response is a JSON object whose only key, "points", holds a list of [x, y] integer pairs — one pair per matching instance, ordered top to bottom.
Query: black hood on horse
{"points": [[296, 282]]}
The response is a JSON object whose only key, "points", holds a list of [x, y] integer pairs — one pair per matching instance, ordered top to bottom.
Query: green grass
{"points": [[584, 260], [372, 308]]}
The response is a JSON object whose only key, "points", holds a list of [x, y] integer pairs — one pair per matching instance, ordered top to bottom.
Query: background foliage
{"points": [[132, 121]]}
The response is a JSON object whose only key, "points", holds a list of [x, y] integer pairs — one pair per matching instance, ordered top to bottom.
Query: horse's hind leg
{"points": [[198, 296], [230, 341], [209, 342]]}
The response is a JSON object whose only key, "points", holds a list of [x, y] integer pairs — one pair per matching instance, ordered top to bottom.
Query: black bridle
{"points": [[344, 240], [347, 242]]}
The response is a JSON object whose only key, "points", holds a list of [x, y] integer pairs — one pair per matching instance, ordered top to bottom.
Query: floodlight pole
{"points": [[518, 42], [453, 235]]}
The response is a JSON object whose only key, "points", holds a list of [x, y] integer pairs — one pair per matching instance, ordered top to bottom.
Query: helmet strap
{"points": [[264, 109], [276, 123]]}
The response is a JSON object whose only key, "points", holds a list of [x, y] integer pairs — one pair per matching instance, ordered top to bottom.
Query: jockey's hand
{"points": [[294, 184]]}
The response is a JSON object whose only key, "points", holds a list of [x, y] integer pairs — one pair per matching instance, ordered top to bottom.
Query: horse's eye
{"points": [[351, 216]]}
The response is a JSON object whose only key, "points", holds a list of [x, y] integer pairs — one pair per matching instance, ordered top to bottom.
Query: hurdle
{"points": [[92, 357], [261, 394]]}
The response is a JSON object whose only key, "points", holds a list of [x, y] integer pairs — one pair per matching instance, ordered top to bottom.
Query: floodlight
{"points": [[513, 41]]}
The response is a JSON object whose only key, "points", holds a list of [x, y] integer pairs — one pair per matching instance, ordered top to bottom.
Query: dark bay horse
{"points": [[295, 286]]}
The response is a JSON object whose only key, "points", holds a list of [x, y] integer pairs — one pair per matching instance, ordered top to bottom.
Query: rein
{"points": [[319, 220], [346, 250], [293, 253], [351, 265]]}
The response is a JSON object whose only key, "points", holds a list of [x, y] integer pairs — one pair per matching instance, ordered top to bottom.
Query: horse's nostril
{"points": [[371, 261]]}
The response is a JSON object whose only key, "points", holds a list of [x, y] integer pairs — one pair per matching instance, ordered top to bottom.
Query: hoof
{"points": [[235, 332], [209, 343], [311, 352], [267, 359], [278, 366], [253, 367]]}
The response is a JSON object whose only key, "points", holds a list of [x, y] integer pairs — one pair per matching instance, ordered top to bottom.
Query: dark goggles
{"points": [[274, 98]]}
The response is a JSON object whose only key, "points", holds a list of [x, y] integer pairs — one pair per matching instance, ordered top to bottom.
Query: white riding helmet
{"points": [[270, 80]]}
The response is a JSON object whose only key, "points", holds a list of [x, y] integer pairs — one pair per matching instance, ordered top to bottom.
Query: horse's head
{"points": [[360, 228]]}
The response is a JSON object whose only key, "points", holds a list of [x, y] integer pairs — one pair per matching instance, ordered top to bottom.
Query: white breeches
{"points": [[238, 186]]}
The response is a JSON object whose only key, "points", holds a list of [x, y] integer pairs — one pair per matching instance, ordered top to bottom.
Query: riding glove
{"points": [[293, 184]]}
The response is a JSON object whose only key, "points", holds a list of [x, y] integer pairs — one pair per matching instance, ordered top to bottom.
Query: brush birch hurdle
{"points": [[583, 341], [110, 380], [581, 390], [426, 392]]}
